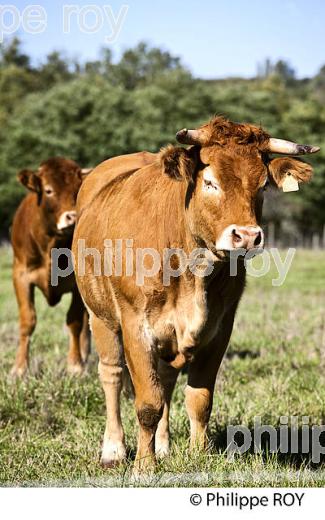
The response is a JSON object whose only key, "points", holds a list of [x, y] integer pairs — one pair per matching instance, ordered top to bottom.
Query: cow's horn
{"points": [[185, 136], [288, 147]]}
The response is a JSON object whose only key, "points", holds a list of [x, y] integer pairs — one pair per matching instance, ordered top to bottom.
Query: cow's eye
{"points": [[210, 185], [49, 191]]}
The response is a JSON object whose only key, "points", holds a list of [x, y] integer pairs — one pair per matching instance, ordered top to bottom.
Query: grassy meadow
{"points": [[51, 425]]}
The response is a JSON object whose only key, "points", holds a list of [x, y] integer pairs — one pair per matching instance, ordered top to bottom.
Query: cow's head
{"points": [[227, 169], [56, 184]]}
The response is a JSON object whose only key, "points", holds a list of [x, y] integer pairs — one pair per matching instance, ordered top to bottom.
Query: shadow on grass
{"points": [[241, 354], [297, 448]]}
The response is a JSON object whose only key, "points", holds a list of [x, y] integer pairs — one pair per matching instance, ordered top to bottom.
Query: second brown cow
{"points": [[45, 219]]}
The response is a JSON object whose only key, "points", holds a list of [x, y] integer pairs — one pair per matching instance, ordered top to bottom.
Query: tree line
{"points": [[94, 110]]}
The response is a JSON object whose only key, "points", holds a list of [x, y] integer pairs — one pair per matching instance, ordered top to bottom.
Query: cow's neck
{"points": [[43, 236], [190, 295]]}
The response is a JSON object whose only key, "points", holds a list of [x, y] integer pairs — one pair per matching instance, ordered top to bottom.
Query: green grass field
{"points": [[51, 425]]}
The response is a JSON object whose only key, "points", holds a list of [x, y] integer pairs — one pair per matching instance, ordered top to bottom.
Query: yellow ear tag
{"points": [[290, 183]]}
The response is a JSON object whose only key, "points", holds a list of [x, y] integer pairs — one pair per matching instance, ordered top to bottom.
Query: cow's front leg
{"points": [[75, 317], [27, 318], [142, 362], [110, 369], [168, 377], [201, 381], [198, 400]]}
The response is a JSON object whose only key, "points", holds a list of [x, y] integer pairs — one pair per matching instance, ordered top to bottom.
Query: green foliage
{"points": [[95, 110]]}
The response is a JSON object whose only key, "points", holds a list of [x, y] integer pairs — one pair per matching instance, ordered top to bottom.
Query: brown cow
{"points": [[207, 196], [45, 219]]}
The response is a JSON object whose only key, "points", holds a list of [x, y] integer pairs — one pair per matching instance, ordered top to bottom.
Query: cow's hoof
{"points": [[75, 369], [18, 372], [162, 448], [113, 454], [110, 464], [144, 467], [142, 474]]}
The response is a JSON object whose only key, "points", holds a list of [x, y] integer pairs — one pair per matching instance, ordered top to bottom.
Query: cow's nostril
{"points": [[236, 236], [258, 239]]}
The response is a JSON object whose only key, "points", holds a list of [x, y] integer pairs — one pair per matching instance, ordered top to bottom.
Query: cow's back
{"points": [[109, 170]]}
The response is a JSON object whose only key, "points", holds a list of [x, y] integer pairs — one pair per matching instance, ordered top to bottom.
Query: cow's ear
{"points": [[178, 163], [287, 172], [30, 180]]}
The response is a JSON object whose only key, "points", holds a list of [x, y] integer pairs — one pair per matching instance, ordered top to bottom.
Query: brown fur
{"points": [[223, 132], [177, 162], [281, 167], [34, 234], [157, 327]]}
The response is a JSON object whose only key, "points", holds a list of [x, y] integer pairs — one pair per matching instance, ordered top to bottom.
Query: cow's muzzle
{"points": [[66, 220], [241, 237]]}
